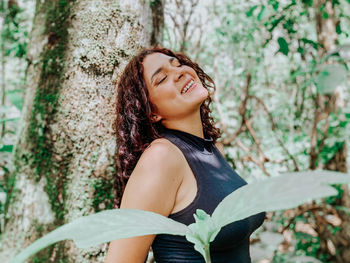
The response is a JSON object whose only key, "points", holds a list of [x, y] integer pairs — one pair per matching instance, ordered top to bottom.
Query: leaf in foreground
{"points": [[276, 193], [106, 226]]}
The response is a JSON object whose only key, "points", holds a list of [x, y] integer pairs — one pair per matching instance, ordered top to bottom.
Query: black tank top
{"points": [[215, 180]]}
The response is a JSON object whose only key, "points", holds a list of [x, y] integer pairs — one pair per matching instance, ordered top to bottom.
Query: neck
{"points": [[190, 124]]}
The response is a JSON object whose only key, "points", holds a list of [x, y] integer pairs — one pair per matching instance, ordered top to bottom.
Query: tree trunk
{"points": [[158, 21], [3, 67], [326, 104], [64, 156]]}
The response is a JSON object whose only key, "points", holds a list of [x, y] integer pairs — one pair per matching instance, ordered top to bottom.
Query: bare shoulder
{"points": [[161, 145], [163, 160], [156, 178]]}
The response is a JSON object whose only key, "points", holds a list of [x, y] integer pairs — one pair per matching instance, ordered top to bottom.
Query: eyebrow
{"points": [[161, 69]]}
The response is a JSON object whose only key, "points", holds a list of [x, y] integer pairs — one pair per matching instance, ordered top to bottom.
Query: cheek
{"points": [[194, 73], [166, 93], [164, 98]]}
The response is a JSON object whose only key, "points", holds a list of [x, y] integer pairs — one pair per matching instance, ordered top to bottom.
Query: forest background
{"points": [[281, 70]]}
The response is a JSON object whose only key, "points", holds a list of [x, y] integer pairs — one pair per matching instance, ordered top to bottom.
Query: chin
{"points": [[204, 93], [202, 97]]}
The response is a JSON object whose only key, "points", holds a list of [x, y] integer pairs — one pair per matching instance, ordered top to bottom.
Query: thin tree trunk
{"points": [[157, 7], [3, 64], [325, 104], [64, 156]]}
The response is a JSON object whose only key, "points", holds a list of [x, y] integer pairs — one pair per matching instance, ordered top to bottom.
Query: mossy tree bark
{"points": [[64, 157]]}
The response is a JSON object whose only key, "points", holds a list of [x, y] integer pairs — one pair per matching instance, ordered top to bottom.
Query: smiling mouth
{"points": [[188, 86]]}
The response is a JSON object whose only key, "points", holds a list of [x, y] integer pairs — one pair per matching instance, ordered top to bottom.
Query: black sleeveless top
{"points": [[215, 180]]}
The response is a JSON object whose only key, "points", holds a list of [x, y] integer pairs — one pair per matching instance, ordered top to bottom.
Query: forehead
{"points": [[153, 61]]}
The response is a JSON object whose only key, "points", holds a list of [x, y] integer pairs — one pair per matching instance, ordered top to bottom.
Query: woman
{"points": [[167, 155]]}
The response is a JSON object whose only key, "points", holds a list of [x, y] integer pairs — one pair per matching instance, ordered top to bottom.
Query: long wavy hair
{"points": [[135, 129]]}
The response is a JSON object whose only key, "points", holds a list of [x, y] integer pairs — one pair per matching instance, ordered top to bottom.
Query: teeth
{"points": [[187, 86]]}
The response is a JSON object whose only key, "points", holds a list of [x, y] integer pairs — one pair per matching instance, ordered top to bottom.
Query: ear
{"points": [[156, 117]]}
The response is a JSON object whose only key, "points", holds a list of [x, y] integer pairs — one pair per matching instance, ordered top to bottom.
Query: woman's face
{"points": [[174, 89]]}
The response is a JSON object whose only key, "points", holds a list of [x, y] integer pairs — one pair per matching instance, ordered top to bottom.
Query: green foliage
{"points": [[308, 2], [154, 3], [274, 3], [249, 13], [261, 13], [274, 22], [289, 26], [338, 28], [13, 37], [310, 42], [13, 43], [283, 46], [16, 98], [9, 119], [6, 148], [2, 192], [272, 194], [103, 197], [331, 200], [203, 231], [307, 243], [310, 245]]}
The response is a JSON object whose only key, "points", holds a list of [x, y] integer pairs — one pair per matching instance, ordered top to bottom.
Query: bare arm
{"points": [[152, 186]]}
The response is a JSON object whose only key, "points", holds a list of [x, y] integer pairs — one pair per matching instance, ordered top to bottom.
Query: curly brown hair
{"points": [[135, 129]]}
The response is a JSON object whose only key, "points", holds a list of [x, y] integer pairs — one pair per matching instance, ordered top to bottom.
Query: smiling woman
{"points": [[175, 90], [168, 157]]}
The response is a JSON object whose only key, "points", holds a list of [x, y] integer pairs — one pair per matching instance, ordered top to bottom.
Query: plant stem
{"points": [[207, 254]]}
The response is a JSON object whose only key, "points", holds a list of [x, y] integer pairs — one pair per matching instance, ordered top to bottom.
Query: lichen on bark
{"points": [[46, 101]]}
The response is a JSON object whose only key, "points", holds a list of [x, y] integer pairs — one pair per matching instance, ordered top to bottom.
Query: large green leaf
{"points": [[329, 78], [282, 192], [276, 193], [106, 226]]}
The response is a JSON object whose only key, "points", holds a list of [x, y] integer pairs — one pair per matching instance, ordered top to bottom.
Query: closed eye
{"points": [[166, 76], [161, 80]]}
